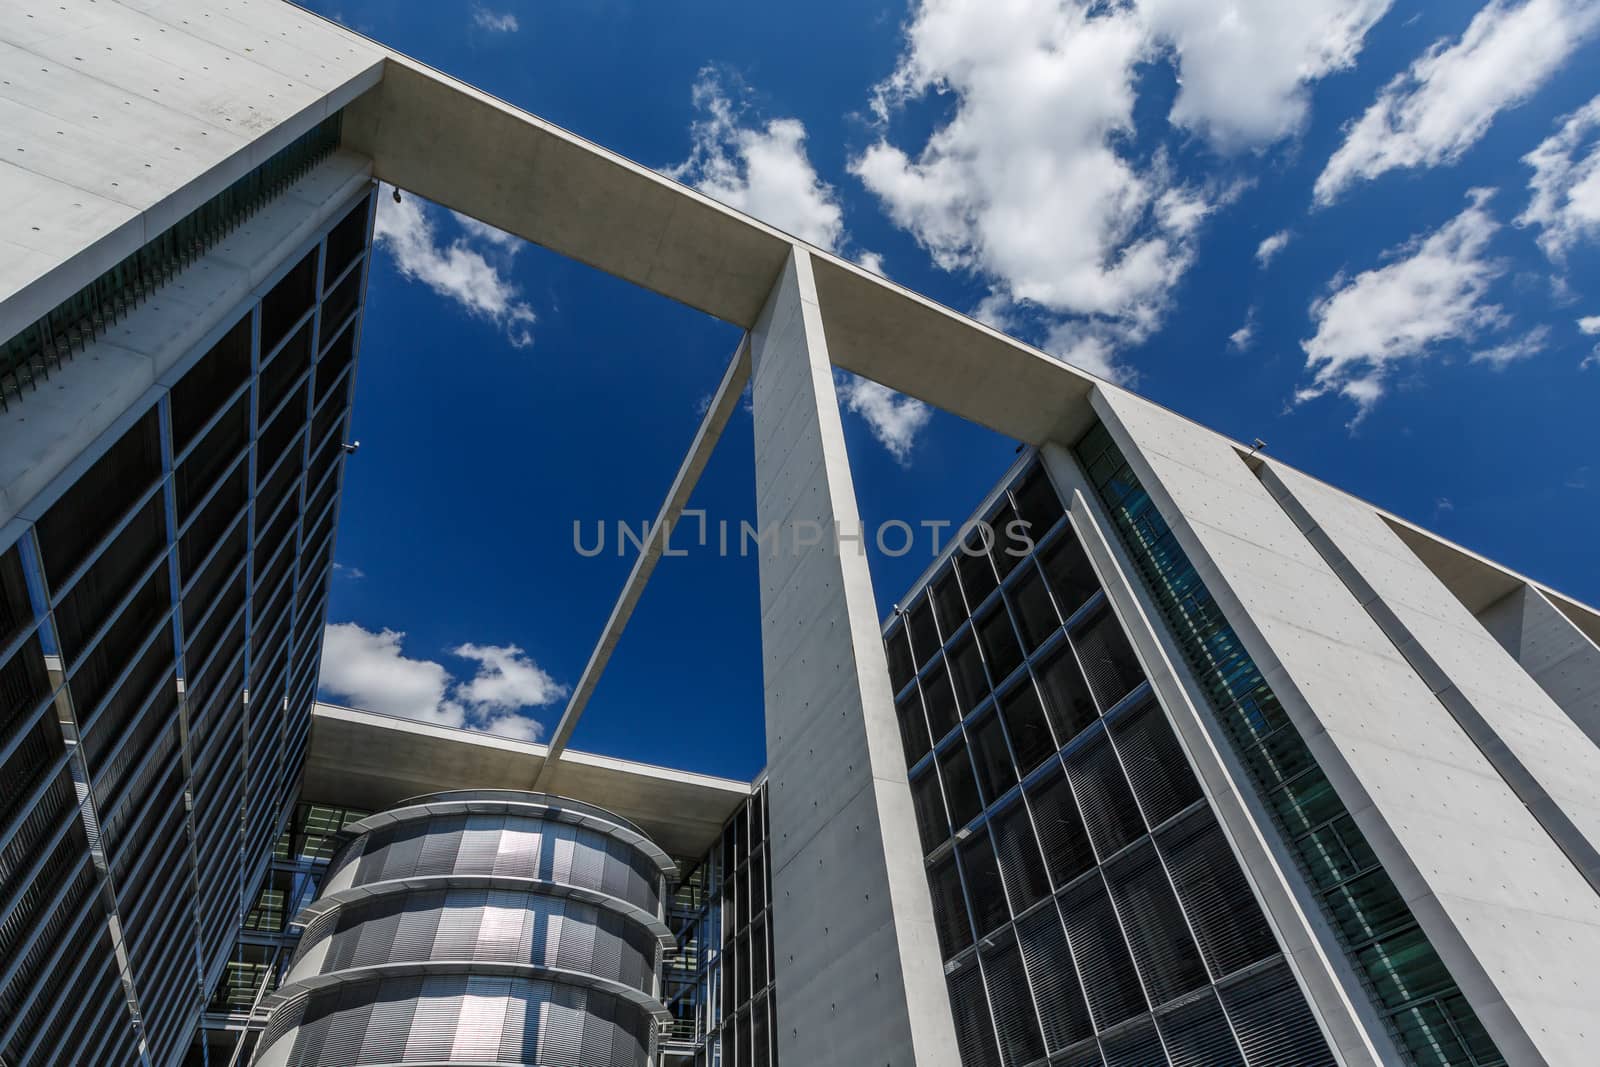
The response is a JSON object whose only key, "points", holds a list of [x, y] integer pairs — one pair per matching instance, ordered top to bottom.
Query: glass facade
{"points": [[159, 641], [1088, 906], [719, 984], [1430, 1018]]}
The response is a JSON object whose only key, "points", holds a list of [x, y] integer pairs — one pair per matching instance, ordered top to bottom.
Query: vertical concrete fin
{"points": [[1551, 648], [853, 924]]}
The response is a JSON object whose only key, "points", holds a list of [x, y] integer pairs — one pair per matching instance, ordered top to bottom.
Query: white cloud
{"points": [[494, 21], [1245, 66], [1440, 107], [761, 170], [1028, 183], [1566, 183], [1269, 248], [874, 262], [458, 271], [1433, 289], [1589, 324], [1242, 338], [1503, 355], [895, 419], [354, 574], [370, 670]]}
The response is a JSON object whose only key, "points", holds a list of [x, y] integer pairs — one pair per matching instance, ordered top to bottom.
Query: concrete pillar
{"points": [[860, 978]]}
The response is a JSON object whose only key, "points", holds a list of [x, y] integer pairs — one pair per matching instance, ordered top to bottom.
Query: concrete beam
{"points": [[688, 476], [1550, 647], [853, 919]]}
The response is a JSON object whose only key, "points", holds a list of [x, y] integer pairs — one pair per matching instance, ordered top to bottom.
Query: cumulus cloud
{"points": [[494, 21], [1245, 66], [1433, 112], [760, 169], [1029, 183], [1565, 204], [1269, 248], [458, 269], [1433, 289], [1589, 324], [1503, 355], [895, 419], [371, 671]]}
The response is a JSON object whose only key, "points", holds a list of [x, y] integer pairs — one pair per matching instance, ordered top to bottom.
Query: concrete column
{"points": [[860, 981]]}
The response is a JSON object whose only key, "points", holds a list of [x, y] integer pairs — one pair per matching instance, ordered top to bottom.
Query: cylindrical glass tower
{"points": [[482, 927]]}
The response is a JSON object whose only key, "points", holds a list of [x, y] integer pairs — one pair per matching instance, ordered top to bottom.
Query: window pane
{"points": [[1037, 503], [1008, 549], [972, 562], [1071, 577], [947, 602], [1030, 604], [924, 638], [1000, 645], [1107, 659], [901, 668], [966, 669], [1066, 697], [940, 701], [913, 727], [1031, 742], [1155, 763], [995, 773], [960, 789], [929, 805], [1108, 808], [1061, 834], [1020, 862], [985, 892], [949, 909], [1227, 922], [1101, 954], [1166, 955], [1062, 1011], [1014, 1020], [974, 1034], [1197, 1034]]}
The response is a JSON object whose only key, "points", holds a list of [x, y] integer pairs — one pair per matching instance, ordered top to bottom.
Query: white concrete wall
{"points": [[122, 117], [1554, 652], [1516, 923], [860, 980]]}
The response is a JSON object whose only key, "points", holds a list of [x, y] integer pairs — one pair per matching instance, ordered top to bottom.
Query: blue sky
{"points": [[1366, 231]]}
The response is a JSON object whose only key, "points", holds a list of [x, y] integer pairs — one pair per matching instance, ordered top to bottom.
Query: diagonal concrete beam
{"points": [[705, 441]]}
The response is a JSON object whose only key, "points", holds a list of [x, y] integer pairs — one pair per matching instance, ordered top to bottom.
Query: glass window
{"points": [[1037, 503], [1008, 548], [977, 575], [1071, 577], [947, 602], [1031, 607], [924, 637], [1000, 645], [1107, 658], [901, 668], [966, 670], [1066, 697], [940, 701], [913, 727], [1031, 742], [1155, 763], [995, 773], [961, 790], [1103, 795], [929, 805], [1062, 838], [1020, 861], [985, 892], [949, 908], [1229, 925], [1101, 954], [1166, 955], [970, 1005], [1062, 1011], [1014, 1020]]}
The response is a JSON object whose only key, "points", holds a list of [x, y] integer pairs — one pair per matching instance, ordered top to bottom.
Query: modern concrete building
{"points": [[1221, 766]]}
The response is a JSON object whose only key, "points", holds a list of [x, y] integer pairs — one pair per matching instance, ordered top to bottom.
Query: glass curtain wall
{"points": [[1088, 907]]}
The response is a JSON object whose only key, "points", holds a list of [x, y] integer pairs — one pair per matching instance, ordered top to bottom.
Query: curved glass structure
{"points": [[482, 927]]}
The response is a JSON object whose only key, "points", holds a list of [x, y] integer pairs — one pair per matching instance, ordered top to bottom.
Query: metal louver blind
{"points": [[1107, 659], [1161, 778], [1107, 804], [1061, 834], [1020, 863], [949, 909], [1228, 923], [1167, 956], [1103, 961], [970, 1005], [1063, 1013], [1014, 1019], [1273, 1021], [1197, 1034], [1136, 1046]]}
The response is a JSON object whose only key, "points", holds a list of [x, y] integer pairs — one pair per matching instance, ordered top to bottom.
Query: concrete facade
{"points": [[1563, 659]]}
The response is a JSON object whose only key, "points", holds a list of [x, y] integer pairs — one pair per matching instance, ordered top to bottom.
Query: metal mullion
{"points": [[295, 326], [299, 384], [277, 464], [216, 604], [10, 650], [121, 677], [150, 703]]}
